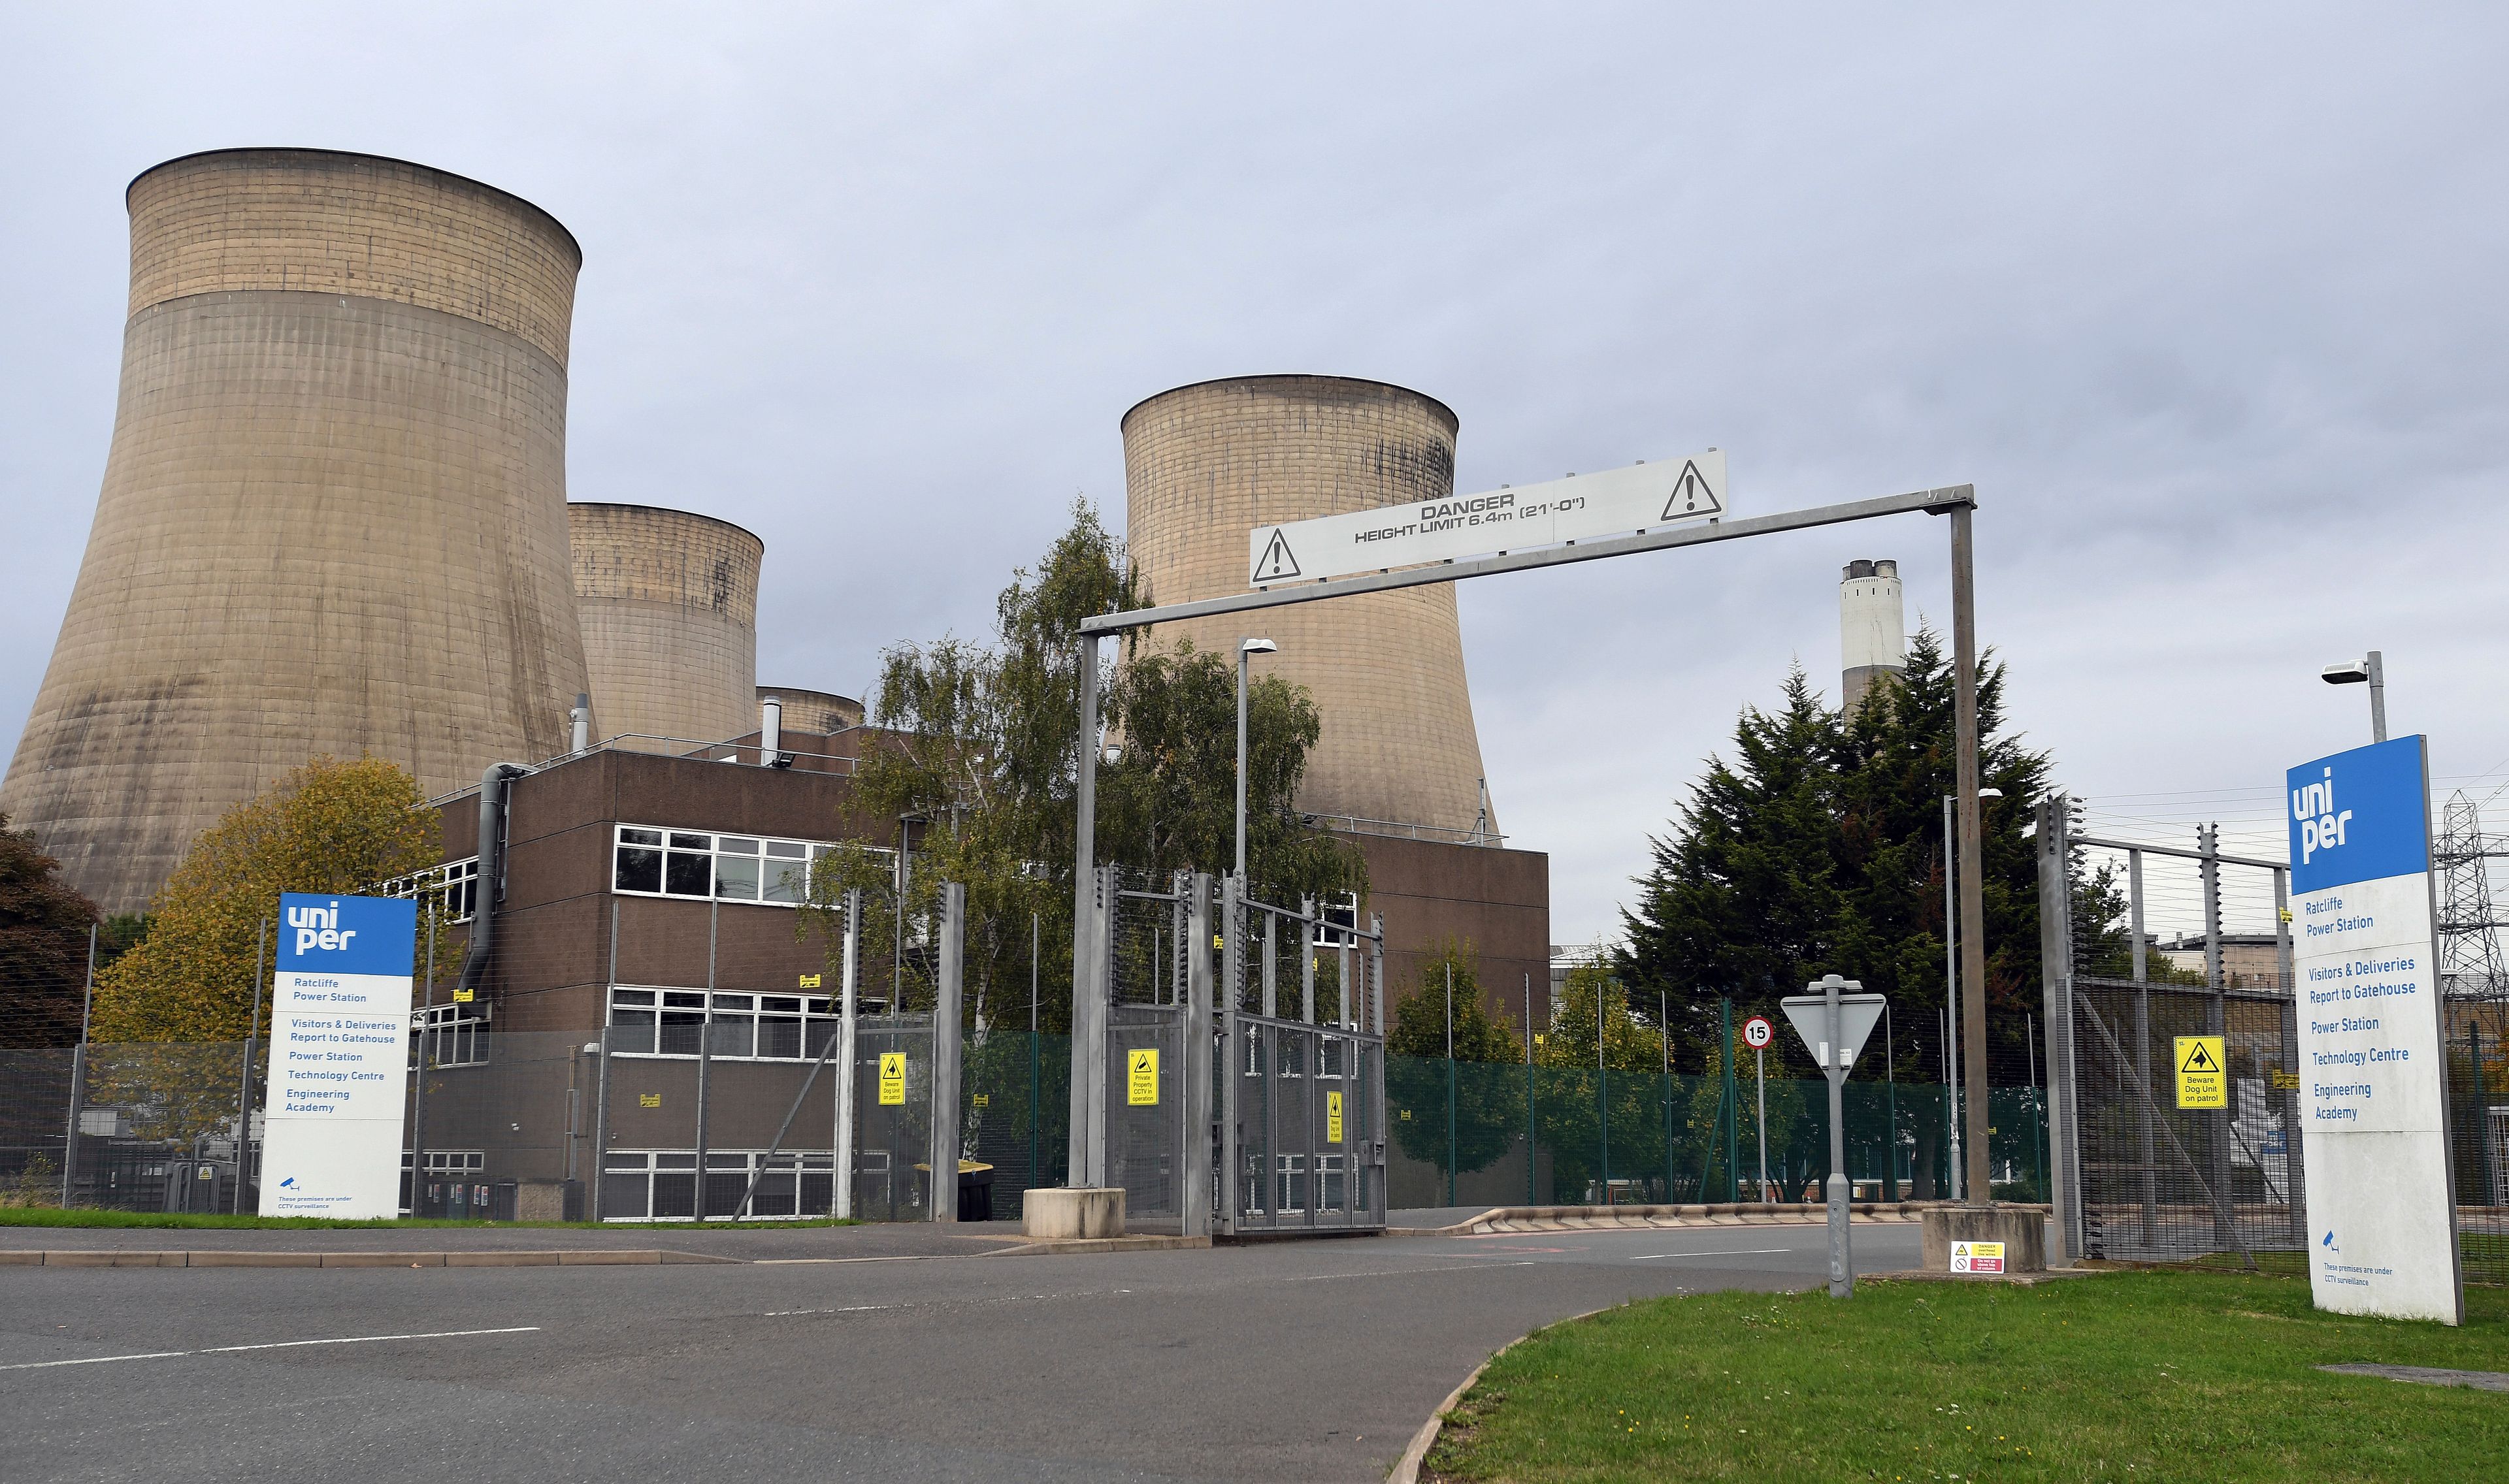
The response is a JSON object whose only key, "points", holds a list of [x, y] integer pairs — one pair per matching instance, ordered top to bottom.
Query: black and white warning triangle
{"points": [[1691, 495], [1277, 562], [2198, 1059]]}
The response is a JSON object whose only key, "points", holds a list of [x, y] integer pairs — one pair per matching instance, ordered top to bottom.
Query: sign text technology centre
{"points": [[339, 1056], [2373, 1097]]}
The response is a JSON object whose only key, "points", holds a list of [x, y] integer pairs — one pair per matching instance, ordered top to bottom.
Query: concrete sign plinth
{"points": [[1083, 1214], [1985, 1240]]}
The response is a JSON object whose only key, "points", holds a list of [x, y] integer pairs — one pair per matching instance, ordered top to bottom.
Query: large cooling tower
{"points": [[1205, 464], [334, 516], [669, 603], [819, 711]]}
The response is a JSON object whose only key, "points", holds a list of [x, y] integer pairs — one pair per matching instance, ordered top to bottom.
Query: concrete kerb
{"points": [[1569, 1219], [1073, 1246], [92, 1257], [1406, 1470]]}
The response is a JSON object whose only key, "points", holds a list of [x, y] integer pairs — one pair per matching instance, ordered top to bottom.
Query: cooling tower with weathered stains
{"points": [[1206, 464], [333, 513], [669, 603], [819, 711]]}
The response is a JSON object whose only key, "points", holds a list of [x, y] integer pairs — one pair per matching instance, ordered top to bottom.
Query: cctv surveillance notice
{"points": [[339, 1056], [2373, 1114]]}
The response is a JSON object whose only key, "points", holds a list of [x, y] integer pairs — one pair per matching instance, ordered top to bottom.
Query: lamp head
{"points": [[1259, 647], [2351, 672], [1990, 793]]}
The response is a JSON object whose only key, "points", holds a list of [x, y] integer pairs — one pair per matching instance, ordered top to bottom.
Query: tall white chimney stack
{"points": [[1872, 628]]}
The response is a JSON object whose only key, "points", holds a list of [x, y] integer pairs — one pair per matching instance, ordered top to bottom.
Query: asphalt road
{"points": [[1306, 1361]]}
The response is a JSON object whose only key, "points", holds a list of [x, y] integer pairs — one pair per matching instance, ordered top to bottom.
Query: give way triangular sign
{"points": [[1277, 562], [1857, 1015]]}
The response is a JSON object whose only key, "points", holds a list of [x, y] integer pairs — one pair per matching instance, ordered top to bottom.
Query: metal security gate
{"points": [[1155, 970], [1301, 1101]]}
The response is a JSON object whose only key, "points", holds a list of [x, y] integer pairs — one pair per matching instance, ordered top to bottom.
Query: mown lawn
{"points": [[2125, 1375]]}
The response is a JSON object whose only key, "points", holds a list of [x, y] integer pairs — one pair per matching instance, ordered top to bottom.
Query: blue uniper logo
{"points": [[2362, 815], [2321, 828], [319, 927], [347, 934]]}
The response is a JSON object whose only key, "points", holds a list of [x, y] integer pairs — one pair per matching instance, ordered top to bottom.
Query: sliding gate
{"points": [[1302, 1097]]}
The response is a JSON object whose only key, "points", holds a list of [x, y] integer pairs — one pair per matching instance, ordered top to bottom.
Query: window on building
{"points": [[654, 862], [454, 886], [747, 1027], [449, 1036], [661, 1185]]}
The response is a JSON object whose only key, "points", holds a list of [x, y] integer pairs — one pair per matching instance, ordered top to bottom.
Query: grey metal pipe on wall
{"points": [[493, 794]]}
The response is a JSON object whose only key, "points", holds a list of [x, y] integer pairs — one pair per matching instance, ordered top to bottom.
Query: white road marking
{"points": [[1718, 1253], [796, 1262], [1461, 1267], [780, 1313], [230, 1350]]}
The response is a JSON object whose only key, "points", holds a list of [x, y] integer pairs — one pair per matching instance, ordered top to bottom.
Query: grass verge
{"points": [[55, 1216], [2124, 1376]]}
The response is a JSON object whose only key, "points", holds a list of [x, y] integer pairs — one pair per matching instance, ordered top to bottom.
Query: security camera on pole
{"points": [[1833, 1019]]}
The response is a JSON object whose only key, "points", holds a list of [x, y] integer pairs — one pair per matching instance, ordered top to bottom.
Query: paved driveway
{"points": [[1286, 1361]]}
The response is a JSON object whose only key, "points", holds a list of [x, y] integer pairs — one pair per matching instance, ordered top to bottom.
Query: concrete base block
{"points": [[1073, 1216], [2023, 1230]]}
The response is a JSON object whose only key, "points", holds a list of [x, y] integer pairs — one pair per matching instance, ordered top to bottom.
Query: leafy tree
{"points": [[980, 755], [328, 827], [44, 925], [1488, 1105]]}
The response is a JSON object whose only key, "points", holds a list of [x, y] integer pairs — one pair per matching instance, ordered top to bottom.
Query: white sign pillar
{"points": [[338, 1057], [2373, 1073]]}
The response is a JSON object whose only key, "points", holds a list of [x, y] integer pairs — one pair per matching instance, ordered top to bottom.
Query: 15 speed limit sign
{"points": [[1757, 1032]]}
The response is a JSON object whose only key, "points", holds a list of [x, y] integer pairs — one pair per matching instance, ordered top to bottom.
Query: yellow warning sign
{"points": [[809, 981], [464, 996], [1142, 1077], [893, 1079], [2201, 1081], [649, 1099], [1332, 1117]]}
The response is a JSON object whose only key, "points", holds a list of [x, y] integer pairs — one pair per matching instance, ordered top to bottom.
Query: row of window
{"points": [[652, 862], [453, 885], [766, 1028], [449, 1036], [663, 1185]]}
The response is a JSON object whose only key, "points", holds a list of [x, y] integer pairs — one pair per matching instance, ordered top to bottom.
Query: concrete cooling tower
{"points": [[1205, 464], [333, 515], [668, 605], [1872, 628], [816, 711]]}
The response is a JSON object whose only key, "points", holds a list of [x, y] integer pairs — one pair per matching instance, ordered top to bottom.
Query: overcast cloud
{"points": [[2206, 301]]}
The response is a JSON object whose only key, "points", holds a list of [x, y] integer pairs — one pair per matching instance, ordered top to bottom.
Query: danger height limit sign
{"points": [[1644, 496]]}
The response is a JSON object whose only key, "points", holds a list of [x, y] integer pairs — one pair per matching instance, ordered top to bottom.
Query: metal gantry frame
{"points": [[1958, 502]]}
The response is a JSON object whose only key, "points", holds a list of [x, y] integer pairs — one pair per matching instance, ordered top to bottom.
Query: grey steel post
{"points": [[1243, 658], [2378, 666], [1972, 855], [1231, 931], [1308, 959], [1271, 966], [1951, 996], [2056, 997], [946, 1003], [2217, 1019], [705, 1048], [1088, 1051], [1760, 1055], [78, 1070], [1450, 1083], [244, 1090], [418, 1092], [600, 1122], [2149, 1153], [1197, 1184], [841, 1204], [1842, 1259]]}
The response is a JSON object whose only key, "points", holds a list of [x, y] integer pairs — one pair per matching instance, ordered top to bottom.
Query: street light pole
{"points": [[1245, 649], [2372, 668], [1972, 848], [1951, 986]]}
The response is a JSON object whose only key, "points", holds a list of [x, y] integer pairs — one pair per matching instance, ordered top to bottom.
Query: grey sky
{"points": [[2206, 301]]}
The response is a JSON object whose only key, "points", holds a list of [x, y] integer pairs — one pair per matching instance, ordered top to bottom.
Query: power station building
{"points": [[334, 516], [1872, 628]]}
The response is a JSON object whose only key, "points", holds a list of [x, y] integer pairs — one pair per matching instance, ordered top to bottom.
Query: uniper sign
{"points": [[319, 928]]}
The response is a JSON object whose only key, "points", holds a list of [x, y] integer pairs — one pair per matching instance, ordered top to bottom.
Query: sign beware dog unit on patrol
{"points": [[1644, 496], [893, 1079], [2200, 1079]]}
